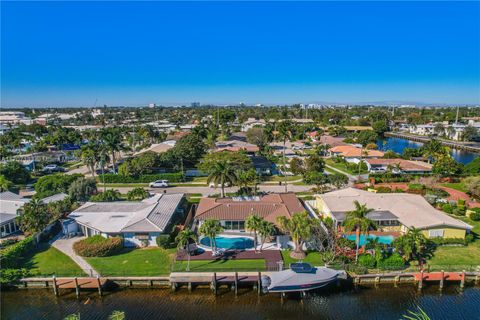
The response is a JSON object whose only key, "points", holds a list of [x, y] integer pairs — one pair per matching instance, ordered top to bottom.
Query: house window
{"points": [[434, 233], [142, 236]]}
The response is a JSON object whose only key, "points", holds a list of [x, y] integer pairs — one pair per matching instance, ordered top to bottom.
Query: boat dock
{"points": [[450, 144], [420, 278], [67, 283]]}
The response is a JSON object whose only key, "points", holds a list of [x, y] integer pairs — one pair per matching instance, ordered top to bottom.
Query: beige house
{"points": [[392, 212]]}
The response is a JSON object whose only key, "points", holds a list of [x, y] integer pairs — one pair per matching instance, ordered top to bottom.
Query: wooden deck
{"points": [[437, 276], [82, 283]]}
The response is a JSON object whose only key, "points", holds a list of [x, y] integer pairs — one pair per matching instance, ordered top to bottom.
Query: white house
{"points": [[252, 122], [9, 205], [137, 222]]}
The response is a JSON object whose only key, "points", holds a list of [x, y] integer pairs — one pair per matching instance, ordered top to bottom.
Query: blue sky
{"points": [[126, 53]]}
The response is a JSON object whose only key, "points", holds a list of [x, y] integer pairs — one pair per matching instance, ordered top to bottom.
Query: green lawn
{"points": [[342, 167], [282, 178], [457, 186], [468, 255], [312, 257], [47, 261], [135, 262], [221, 265]]}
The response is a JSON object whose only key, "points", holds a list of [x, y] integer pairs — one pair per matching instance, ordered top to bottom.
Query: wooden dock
{"points": [[67, 283]]}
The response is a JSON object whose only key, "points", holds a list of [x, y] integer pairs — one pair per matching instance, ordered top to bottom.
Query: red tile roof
{"points": [[351, 151], [268, 207]]}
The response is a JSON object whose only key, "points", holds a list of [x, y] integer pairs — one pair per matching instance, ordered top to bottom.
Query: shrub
{"points": [[146, 178], [416, 187], [382, 189], [109, 195], [461, 202], [447, 207], [458, 211], [475, 215], [469, 238], [164, 241], [450, 241], [344, 242], [98, 246], [11, 255], [366, 260], [394, 262], [8, 276]]}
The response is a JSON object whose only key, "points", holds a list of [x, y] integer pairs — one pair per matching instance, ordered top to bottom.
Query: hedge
{"points": [[146, 178], [475, 215], [164, 241], [449, 241], [98, 246], [10, 256], [367, 261], [394, 262], [8, 276]]}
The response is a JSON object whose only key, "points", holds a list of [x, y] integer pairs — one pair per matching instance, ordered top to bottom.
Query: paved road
{"points": [[206, 191]]}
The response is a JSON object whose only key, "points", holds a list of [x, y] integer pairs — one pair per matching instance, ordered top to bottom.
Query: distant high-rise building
{"points": [[195, 104], [152, 105]]}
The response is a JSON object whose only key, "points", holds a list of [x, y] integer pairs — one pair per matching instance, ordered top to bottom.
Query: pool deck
{"points": [[271, 257]]}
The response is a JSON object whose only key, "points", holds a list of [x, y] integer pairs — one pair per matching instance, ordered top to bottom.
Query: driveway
{"points": [[66, 246]]}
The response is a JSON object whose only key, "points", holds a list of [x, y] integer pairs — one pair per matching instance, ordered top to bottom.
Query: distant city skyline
{"points": [[74, 54]]}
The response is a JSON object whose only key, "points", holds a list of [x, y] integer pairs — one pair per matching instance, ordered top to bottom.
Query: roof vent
{"points": [[252, 209]]}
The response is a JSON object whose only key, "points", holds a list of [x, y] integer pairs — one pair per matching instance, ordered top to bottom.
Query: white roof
{"points": [[10, 196], [55, 197], [412, 210], [150, 215]]}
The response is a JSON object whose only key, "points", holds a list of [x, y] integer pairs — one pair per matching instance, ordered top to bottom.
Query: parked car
{"points": [[53, 168], [159, 184], [212, 185]]}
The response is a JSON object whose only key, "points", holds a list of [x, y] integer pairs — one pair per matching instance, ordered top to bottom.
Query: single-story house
{"points": [[252, 122], [235, 146], [157, 148], [351, 152], [263, 166], [405, 166], [56, 197], [10, 203], [232, 212], [392, 212], [137, 222]]}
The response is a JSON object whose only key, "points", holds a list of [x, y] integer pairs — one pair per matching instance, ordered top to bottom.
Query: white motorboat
{"points": [[300, 277]]}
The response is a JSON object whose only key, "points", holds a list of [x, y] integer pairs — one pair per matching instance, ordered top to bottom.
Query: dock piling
{"points": [[442, 278], [462, 281], [420, 282], [214, 283], [236, 284], [259, 284], [99, 286], [55, 288], [77, 288]]}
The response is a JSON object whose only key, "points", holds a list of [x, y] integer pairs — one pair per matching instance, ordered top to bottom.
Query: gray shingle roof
{"points": [[10, 196]]}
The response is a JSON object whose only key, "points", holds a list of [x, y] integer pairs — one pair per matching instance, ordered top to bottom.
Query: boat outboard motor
{"points": [[266, 281]]}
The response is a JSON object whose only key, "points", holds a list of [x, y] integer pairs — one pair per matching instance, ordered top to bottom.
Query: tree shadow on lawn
{"points": [[27, 261]]}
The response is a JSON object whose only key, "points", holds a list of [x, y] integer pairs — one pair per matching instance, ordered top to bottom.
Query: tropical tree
{"points": [[439, 129], [285, 133], [112, 140], [433, 149], [88, 154], [222, 167], [319, 179], [338, 180], [247, 181], [4, 183], [82, 189], [137, 194], [109, 195], [34, 218], [357, 220], [253, 223], [211, 228], [300, 228], [265, 230], [183, 241], [412, 245]]}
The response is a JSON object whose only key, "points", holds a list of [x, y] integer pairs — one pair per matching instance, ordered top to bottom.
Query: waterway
{"points": [[399, 144], [384, 303]]}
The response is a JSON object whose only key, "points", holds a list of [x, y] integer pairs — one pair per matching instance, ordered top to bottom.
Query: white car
{"points": [[52, 168], [159, 184], [212, 185]]}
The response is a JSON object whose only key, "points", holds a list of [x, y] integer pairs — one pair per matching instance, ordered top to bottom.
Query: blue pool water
{"points": [[381, 239], [229, 243]]}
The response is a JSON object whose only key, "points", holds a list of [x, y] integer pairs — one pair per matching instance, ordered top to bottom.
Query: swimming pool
{"points": [[381, 239], [229, 242]]}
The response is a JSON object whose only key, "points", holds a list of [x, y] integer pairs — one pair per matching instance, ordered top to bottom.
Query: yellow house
{"points": [[392, 212]]}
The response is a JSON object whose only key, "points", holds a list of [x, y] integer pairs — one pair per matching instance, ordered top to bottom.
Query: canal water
{"points": [[399, 144], [383, 303]]}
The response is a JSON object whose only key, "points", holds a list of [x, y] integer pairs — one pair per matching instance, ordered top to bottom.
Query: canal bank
{"points": [[398, 145], [346, 302]]}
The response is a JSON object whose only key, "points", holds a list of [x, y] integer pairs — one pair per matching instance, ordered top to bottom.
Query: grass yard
{"points": [[343, 167], [282, 178], [457, 186], [468, 255], [312, 257], [47, 261], [135, 262], [221, 265]]}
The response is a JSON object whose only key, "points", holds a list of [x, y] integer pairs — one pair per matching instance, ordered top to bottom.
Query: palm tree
{"points": [[285, 132], [112, 139], [89, 158], [222, 173], [245, 179], [4, 183], [357, 220], [253, 223], [211, 228], [300, 228], [265, 230], [183, 242], [416, 243]]}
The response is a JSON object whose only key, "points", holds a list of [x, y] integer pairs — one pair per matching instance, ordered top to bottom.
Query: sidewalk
{"points": [[66, 246]]}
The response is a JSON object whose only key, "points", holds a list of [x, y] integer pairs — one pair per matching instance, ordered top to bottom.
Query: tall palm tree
{"points": [[285, 133], [112, 139], [89, 158], [222, 173], [246, 179], [356, 220], [253, 223], [211, 228], [300, 228], [265, 230], [183, 242], [417, 243]]}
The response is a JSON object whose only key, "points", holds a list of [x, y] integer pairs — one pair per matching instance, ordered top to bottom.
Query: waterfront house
{"points": [[351, 152], [398, 166], [10, 203], [232, 212], [392, 212], [137, 222]]}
